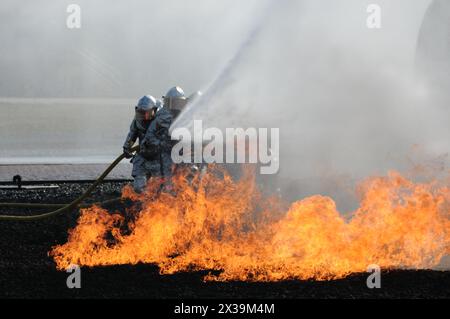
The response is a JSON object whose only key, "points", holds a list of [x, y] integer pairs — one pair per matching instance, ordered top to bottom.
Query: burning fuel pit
{"points": [[303, 250]]}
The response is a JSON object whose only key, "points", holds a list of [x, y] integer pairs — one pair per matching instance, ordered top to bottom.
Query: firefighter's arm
{"points": [[157, 133], [131, 139]]}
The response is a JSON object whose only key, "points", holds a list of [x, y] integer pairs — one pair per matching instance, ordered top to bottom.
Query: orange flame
{"points": [[215, 223]]}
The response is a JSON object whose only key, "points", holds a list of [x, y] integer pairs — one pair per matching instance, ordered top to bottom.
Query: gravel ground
{"points": [[63, 172], [27, 272]]}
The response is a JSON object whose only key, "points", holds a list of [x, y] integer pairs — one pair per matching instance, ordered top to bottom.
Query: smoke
{"points": [[124, 49], [346, 98]]}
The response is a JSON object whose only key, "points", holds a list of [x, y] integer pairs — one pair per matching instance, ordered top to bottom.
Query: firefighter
{"points": [[151, 125], [158, 143], [156, 146], [143, 168]]}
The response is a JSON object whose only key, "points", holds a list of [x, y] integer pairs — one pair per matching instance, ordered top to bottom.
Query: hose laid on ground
{"points": [[67, 207]]}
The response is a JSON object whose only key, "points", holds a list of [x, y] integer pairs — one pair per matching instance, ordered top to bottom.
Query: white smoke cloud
{"points": [[123, 49], [345, 97]]}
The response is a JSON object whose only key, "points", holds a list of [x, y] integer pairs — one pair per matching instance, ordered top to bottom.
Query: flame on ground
{"points": [[216, 223]]}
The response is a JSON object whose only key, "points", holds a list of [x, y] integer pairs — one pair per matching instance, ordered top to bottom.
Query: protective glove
{"points": [[127, 152]]}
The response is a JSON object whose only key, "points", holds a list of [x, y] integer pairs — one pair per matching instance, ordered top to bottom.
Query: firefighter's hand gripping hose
{"points": [[65, 208]]}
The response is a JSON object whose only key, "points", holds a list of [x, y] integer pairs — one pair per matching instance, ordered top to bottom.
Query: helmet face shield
{"points": [[176, 104], [143, 115]]}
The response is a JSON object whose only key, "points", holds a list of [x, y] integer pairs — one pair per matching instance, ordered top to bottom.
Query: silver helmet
{"points": [[175, 99], [144, 110]]}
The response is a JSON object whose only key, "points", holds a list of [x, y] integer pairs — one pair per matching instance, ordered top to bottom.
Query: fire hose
{"points": [[63, 208]]}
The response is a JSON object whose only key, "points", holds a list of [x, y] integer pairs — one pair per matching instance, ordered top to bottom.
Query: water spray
{"points": [[216, 84]]}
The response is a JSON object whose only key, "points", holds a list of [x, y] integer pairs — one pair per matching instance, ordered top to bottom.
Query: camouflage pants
{"points": [[144, 169]]}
